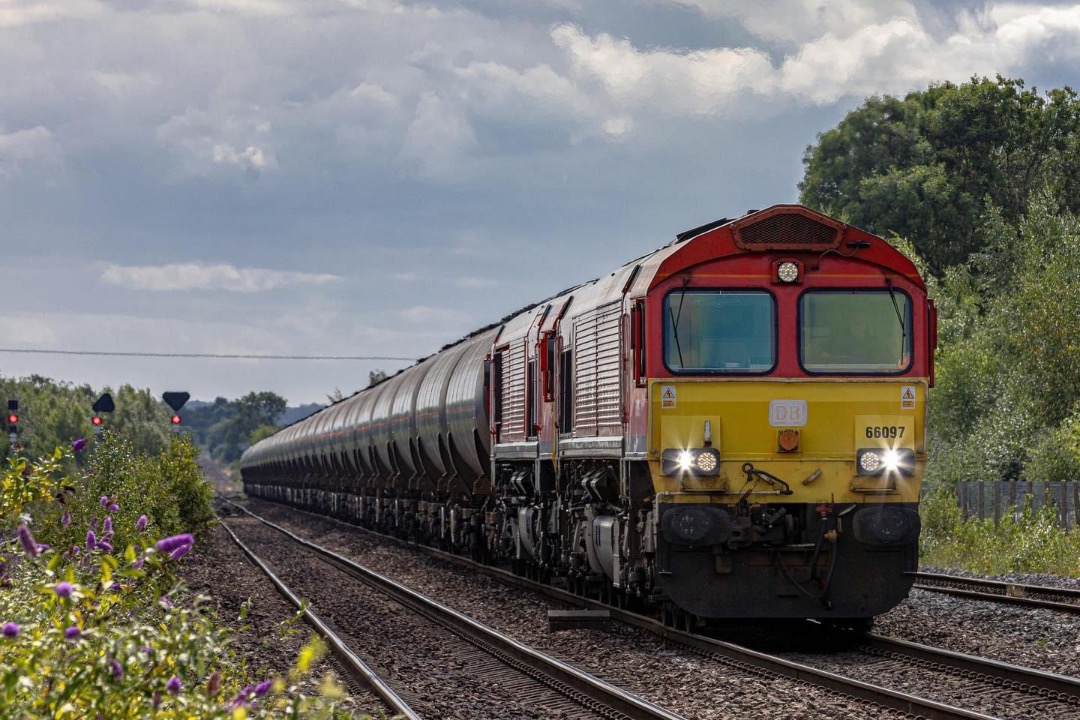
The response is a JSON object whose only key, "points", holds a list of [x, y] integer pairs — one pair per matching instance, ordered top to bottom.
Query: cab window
{"points": [[719, 331], [855, 331]]}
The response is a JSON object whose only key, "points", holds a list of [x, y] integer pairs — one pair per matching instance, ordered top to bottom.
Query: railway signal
{"points": [[175, 400], [103, 404], [176, 419], [96, 421]]}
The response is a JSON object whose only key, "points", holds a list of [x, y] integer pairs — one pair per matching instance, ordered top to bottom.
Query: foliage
{"points": [[927, 167], [53, 414], [226, 427], [1025, 541], [92, 631]]}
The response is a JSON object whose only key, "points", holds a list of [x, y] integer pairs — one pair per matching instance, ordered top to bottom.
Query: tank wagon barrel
{"points": [[731, 426]]}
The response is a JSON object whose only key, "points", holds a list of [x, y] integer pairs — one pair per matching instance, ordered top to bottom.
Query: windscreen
{"points": [[711, 331], [855, 331]]}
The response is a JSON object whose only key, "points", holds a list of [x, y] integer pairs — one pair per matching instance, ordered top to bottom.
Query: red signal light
{"points": [[12, 418], [176, 419], [96, 421]]}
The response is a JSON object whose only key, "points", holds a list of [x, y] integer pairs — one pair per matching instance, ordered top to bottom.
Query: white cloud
{"points": [[17, 13], [437, 138], [25, 147], [195, 276], [27, 331]]}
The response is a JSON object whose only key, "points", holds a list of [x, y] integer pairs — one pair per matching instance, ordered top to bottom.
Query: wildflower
{"points": [[78, 445], [104, 501], [113, 507], [66, 519], [140, 524], [107, 527], [91, 539], [172, 543], [29, 545], [105, 545], [43, 547], [75, 550], [180, 552], [138, 563], [63, 589], [166, 602], [10, 630], [72, 633], [116, 669], [213, 685], [173, 686], [263, 687]]}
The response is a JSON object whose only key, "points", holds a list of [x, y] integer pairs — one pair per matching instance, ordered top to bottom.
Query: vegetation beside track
{"points": [[93, 618]]}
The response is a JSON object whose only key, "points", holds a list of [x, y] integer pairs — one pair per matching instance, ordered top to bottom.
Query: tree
{"points": [[928, 167], [375, 377]]}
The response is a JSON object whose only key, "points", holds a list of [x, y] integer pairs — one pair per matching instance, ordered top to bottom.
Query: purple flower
{"points": [[78, 445], [104, 500], [114, 508], [66, 519], [140, 524], [107, 527], [91, 539], [172, 543], [29, 545], [105, 545], [43, 547], [75, 550], [180, 552], [138, 563], [63, 589], [166, 602], [11, 630], [72, 633], [116, 669], [173, 686], [263, 687]]}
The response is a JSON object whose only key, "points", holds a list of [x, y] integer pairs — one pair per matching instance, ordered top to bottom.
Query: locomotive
{"points": [[729, 427]]}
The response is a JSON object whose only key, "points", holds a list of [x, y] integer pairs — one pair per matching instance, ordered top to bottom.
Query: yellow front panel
{"points": [[832, 417]]}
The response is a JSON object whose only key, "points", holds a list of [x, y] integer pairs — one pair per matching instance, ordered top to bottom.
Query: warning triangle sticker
{"points": [[909, 394]]}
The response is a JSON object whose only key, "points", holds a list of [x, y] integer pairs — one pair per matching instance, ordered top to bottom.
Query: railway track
{"points": [[1037, 596], [739, 657], [506, 667]]}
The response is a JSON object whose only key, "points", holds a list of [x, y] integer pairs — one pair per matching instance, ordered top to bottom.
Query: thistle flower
{"points": [[78, 445], [104, 501], [113, 507], [66, 519], [140, 524], [107, 527], [26, 539], [91, 539], [169, 544], [105, 545], [180, 552], [63, 589], [10, 630], [72, 633], [173, 686], [263, 687]]}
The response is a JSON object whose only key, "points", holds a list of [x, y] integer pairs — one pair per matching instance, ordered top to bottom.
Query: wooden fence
{"points": [[1002, 498]]}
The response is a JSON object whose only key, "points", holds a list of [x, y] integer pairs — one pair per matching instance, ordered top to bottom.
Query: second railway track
{"points": [[441, 663]]}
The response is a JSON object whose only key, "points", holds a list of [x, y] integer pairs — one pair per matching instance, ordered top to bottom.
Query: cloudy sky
{"points": [[377, 178]]}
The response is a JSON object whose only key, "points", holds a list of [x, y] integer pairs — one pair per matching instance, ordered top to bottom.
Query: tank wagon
{"points": [[729, 427]]}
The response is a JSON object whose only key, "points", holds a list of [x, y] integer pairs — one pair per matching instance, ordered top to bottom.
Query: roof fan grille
{"points": [[788, 230]]}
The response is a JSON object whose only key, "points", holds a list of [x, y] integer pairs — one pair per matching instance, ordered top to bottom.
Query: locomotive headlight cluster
{"points": [[787, 272], [692, 461], [882, 461]]}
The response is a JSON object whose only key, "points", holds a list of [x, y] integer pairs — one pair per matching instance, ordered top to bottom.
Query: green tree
{"points": [[928, 167]]}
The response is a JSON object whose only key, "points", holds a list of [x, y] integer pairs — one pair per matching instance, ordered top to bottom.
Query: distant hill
{"points": [[292, 414]]}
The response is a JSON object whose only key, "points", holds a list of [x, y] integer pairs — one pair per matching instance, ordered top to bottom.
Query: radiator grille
{"points": [[787, 231], [597, 361], [513, 399]]}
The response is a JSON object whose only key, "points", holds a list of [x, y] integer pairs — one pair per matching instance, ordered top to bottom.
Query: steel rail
{"points": [[1038, 596], [710, 647], [347, 656], [588, 685]]}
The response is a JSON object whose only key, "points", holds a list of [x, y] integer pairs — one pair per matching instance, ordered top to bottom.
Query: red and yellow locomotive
{"points": [[731, 426]]}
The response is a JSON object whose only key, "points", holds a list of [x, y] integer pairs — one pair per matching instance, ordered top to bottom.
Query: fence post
{"points": [[996, 488], [1012, 497], [982, 500]]}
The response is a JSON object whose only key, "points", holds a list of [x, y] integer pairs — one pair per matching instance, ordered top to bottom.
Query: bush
{"points": [[87, 629]]}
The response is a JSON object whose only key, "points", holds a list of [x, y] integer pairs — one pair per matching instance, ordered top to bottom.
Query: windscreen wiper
{"points": [[899, 315], [675, 319]]}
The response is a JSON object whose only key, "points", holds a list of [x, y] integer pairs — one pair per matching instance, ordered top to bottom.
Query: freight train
{"points": [[729, 427]]}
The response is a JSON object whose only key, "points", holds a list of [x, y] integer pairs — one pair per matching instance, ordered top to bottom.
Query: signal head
{"points": [[12, 418], [176, 419], [96, 421]]}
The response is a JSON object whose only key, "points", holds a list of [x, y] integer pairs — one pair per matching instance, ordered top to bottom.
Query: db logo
{"points": [[787, 413]]}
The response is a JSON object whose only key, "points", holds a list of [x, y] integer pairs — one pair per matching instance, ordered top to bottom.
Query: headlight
{"points": [[787, 272], [695, 461], [881, 461]]}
